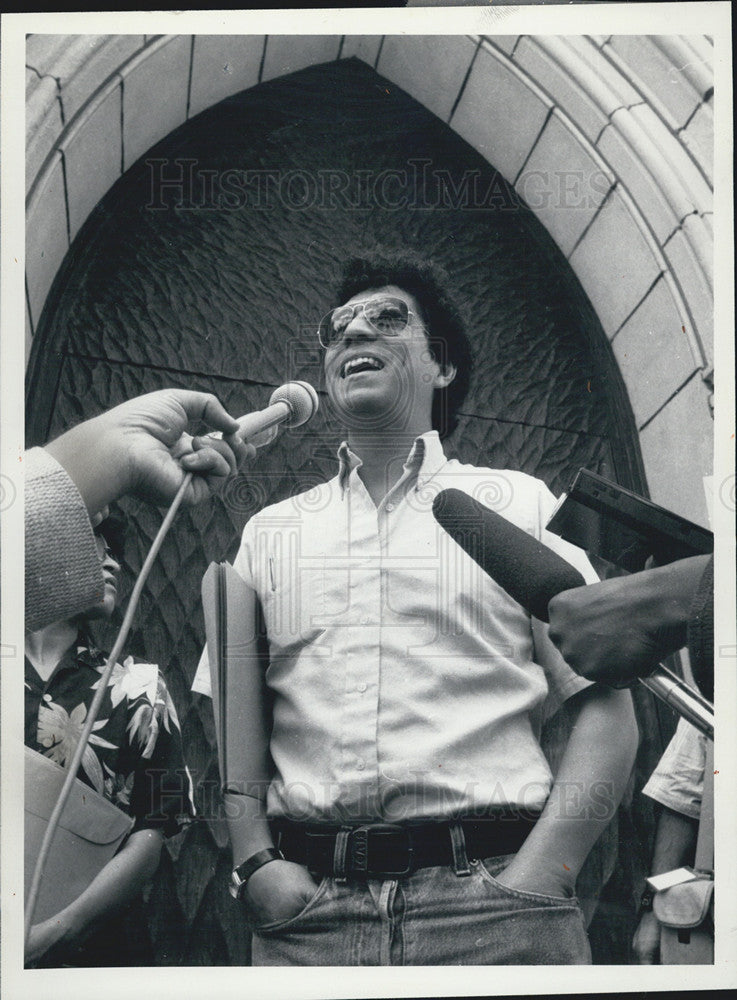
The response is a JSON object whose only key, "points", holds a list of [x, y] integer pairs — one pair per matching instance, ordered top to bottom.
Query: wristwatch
{"points": [[240, 875], [646, 901]]}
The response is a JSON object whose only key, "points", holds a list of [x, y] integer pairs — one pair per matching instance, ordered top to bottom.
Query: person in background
{"points": [[134, 759], [676, 784]]}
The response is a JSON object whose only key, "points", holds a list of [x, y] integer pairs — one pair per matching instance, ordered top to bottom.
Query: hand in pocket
{"points": [[543, 882], [278, 891]]}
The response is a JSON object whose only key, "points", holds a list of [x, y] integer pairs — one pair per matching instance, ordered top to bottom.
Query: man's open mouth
{"points": [[364, 363]]}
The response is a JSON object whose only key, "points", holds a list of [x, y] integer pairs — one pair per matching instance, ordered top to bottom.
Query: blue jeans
{"points": [[433, 917]]}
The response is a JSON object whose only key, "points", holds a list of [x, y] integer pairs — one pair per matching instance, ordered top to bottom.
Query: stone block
{"points": [[506, 43], [363, 47], [45, 52], [289, 53], [692, 55], [89, 64], [223, 65], [430, 68], [657, 77], [562, 87], [612, 88], [154, 95], [495, 95], [43, 122], [698, 136], [671, 151], [93, 152], [562, 183], [645, 189], [699, 236], [47, 239], [615, 263], [694, 284], [654, 353], [677, 450]]}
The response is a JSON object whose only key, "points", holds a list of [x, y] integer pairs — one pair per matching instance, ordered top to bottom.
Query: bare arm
{"points": [[588, 788], [675, 840], [120, 880], [279, 889]]}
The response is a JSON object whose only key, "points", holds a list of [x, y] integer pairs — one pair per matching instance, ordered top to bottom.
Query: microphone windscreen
{"points": [[301, 399], [529, 571]]}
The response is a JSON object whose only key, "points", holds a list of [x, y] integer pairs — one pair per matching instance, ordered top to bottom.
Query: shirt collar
{"points": [[426, 457], [81, 650], [87, 652]]}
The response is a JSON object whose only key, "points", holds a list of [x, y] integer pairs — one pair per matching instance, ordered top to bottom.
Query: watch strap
{"points": [[240, 875], [646, 901]]}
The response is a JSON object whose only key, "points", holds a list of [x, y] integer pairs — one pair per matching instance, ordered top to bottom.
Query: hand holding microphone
{"points": [[292, 404], [142, 447], [215, 456], [614, 631]]}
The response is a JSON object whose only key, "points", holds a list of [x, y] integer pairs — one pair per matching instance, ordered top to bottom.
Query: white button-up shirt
{"points": [[407, 684]]}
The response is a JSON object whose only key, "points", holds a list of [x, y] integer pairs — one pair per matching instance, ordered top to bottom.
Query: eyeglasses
{"points": [[387, 314], [106, 551]]}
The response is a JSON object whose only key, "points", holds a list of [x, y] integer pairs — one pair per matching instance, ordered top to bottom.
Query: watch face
{"points": [[240, 875], [236, 885]]}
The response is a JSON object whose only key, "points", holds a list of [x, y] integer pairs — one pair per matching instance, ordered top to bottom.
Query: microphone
{"points": [[292, 404], [529, 571], [533, 574]]}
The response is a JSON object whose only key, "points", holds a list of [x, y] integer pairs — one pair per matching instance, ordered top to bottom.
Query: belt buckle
{"points": [[360, 850]]}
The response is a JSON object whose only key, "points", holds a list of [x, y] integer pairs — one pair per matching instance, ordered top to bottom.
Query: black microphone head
{"points": [[528, 570]]}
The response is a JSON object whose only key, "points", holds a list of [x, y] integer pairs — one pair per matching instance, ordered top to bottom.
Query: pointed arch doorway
{"points": [[208, 265]]}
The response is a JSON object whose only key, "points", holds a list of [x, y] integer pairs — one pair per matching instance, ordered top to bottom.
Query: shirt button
{"points": [[390, 507], [362, 686], [360, 763]]}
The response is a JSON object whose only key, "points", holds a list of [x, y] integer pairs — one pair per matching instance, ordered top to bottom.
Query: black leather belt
{"points": [[387, 850]]}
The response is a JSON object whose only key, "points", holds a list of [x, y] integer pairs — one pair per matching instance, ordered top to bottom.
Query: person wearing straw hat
{"points": [[134, 759]]}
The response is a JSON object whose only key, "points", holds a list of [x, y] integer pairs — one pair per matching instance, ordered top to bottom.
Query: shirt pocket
{"points": [[294, 601]]}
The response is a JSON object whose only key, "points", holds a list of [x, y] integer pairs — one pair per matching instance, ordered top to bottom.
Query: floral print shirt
{"points": [[134, 756]]}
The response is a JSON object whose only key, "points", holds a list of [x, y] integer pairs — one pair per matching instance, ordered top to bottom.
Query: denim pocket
{"points": [[490, 868], [277, 925]]}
